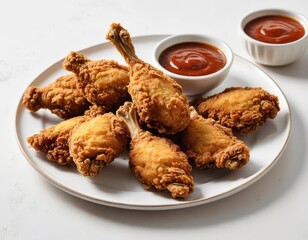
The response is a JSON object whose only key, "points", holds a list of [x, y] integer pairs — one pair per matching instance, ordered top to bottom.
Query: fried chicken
{"points": [[102, 82], [61, 97], [159, 99], [243, 109], [53, 141], [95, 143], [211, 145], [155, 161]]}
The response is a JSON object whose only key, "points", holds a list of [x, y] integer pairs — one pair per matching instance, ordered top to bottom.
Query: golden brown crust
{"points": [[102, 82], [61, 97], [158, 98], [243, 109], [54, 141], [97, 142], [211, 145], [155, 161], [158, 162]]}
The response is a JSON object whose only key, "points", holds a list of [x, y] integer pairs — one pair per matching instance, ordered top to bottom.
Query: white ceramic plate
{"points": [[116, 186]]}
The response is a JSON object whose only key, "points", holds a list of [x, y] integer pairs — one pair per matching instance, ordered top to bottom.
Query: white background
{"points": [[35, 34]]}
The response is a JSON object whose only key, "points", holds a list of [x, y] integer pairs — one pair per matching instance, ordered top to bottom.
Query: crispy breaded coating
{"points": [[102, 82], [61, 97], [159, 99], [243, 109], [53, 141], [97, 142], [208, 144], [155, 161], [160, 163]]}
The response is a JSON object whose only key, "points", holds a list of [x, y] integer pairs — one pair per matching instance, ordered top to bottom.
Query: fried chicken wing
{"points": [[102, 82], [61, 97], [159, 99], [241, 109], [53, 141], [95, 143], [211, 145], [155, 161]]}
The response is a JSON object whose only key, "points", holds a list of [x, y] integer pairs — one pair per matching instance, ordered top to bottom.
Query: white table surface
{"points": [[35, 34]]}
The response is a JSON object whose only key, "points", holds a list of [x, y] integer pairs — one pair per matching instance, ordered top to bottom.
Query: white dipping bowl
{"points": [[274, 54], [195, 85]]}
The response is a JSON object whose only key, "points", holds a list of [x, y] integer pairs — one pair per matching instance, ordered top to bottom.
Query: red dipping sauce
{"points": [[275, 29], [192, 59]]}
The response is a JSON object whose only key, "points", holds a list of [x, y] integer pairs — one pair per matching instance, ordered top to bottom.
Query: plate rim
{"points": [[176, 205]]}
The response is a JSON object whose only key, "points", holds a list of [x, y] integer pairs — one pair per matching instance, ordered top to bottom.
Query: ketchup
{"points": [[275, 29], [192, 59]]}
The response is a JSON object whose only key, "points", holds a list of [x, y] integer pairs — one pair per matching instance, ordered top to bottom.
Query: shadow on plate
{"points": [[297, 69]]}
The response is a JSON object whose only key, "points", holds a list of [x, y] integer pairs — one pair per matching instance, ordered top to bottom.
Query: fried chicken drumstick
{"points": [[102, 82], [61, 97], [159, 99], [243, 109], [95, 143], [211, 145], [155, 161]]}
